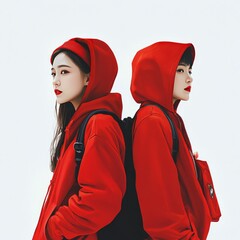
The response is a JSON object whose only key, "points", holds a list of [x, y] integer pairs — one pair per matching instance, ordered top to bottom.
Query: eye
{"points": [[180, 70], [190, 71], [64, 72], [53, 74]]}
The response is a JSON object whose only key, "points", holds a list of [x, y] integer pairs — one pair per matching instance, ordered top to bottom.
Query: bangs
{"points": [[187, 57]]}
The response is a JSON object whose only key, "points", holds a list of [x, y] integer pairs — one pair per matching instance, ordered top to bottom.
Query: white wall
{"points": [[30, 30]]}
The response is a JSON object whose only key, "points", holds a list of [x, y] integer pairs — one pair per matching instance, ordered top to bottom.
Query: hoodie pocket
{"points": [[206, 183]]}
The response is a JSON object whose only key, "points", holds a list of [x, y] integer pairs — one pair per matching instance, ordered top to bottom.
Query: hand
{"points": [[196, 155]]}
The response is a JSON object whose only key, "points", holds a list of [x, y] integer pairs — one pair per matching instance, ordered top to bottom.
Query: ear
{"points": [[86, 79]]}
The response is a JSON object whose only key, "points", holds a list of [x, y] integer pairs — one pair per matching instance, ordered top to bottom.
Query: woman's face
{"points": [[68, 80], [182, 82]]}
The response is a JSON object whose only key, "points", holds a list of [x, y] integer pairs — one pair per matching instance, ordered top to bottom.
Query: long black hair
{"points": [[64, 111]]}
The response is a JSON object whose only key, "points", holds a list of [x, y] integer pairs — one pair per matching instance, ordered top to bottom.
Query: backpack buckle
{"points": [[79, 149]]}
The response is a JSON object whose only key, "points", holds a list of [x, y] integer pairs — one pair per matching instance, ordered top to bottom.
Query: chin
{"points": [[184, 99], [60, 101]]}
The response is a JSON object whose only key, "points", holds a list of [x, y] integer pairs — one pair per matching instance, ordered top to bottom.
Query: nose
{"points": [[189, 78], [56, 82]]}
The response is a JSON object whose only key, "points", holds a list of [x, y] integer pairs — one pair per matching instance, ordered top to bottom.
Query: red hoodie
{"points": [[171, 199], [79, 210]]}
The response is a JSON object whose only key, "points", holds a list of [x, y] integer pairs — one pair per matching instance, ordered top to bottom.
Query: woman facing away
{"points": [[83, 73], [177, 200]]}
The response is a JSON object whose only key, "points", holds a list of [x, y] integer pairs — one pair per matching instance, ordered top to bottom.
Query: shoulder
{"points": [[150, 114], [104, 119], [151, 123], [101, 124], [105, 129]]}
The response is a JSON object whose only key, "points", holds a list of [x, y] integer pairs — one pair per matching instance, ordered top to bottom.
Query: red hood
{"points": [[103, 67], [103, 71], [153, 73]]}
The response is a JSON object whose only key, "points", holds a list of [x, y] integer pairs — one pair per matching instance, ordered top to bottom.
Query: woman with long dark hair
{"points": [[78, 205]]}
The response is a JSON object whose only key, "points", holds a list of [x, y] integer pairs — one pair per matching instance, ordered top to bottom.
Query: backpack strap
{"points": [[173, 129], [174, 134], [79, 144]]}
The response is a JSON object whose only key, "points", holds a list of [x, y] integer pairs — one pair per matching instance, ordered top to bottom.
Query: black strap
{"points": [[174, 131], [174, 135], [79, 144]]}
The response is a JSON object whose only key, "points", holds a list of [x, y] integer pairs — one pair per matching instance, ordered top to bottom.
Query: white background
{"points": [[30, 30]]}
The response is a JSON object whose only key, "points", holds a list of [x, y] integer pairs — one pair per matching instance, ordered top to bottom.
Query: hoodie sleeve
{"points": [[101, 179], [158, 188]]}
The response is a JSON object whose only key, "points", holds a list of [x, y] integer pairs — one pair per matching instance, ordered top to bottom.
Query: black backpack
{"points": [[127, 225]]}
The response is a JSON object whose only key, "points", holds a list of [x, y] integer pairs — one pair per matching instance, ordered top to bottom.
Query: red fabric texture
{"points": [[172, 202], [79, 209]]}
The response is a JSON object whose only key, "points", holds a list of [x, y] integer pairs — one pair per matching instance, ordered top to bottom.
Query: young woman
{"points": [[83, 72], [176, 200]]}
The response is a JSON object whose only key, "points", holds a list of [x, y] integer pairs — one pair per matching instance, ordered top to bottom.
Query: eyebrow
{"points": [[59, 66]]}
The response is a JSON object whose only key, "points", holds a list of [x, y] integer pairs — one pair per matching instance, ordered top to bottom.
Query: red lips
{"points": [[188, 89], [57, 92]]}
